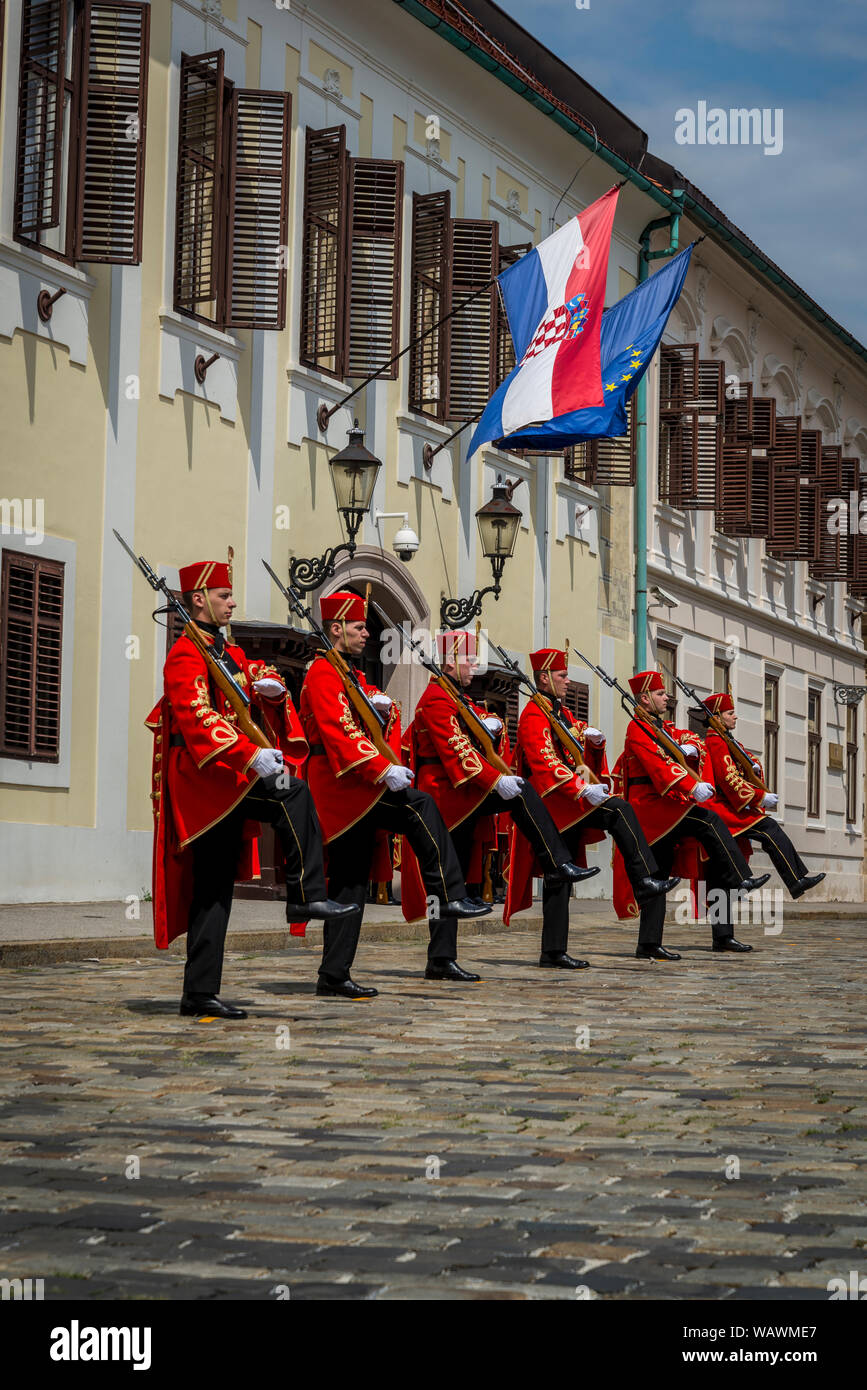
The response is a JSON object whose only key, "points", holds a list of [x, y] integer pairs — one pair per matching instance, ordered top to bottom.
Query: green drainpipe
{"points": [[644, 258]]}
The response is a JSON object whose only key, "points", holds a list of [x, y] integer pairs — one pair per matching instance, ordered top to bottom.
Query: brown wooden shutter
{"points": [[42, 98], [112, 131], [258, 209], [199, 234], [323, 267], [373, 288], [430, 301], [505, 350], [472, 358], [678, 376], [605, 462], [744, 477], [836, 480], [857, 585], [31, 633], [577, 699], [512, 716]]}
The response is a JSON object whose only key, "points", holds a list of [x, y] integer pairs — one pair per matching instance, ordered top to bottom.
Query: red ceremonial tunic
{"points": [[542, 758], [448, 765], [347, 780], [196, 784], [660, 791], [737, 801]]}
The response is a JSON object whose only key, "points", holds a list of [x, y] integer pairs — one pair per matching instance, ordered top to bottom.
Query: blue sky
{"points": [[807, 206]]}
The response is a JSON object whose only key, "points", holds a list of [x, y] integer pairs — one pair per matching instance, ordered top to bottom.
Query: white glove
{"points": [[271, 689], [381, 700], [493, 724], [595, 735], [689, 749], [267, 762], [397, 778], [509, 787], [703, 791], [595, 793], [769, 801]]}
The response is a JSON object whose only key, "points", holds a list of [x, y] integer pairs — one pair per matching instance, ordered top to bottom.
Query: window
{"points": [[81, 128], [232, 199], [351, 251], [452, 369], [691, 400], [31, 632], [666, 660], [721, 672], [577, 699], [772, 730], [814, 751], [852, 764]]}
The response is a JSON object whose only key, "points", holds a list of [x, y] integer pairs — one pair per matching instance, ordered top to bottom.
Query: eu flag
{"points": [[631, 332]]}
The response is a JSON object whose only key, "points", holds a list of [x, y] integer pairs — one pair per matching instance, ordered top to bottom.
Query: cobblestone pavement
{"points": [[605, 1171]]}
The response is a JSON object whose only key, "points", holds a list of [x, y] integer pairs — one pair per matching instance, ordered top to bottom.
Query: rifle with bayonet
{"points": [[217, 669], [361, 704], [463, 708], [713, 721], [565, 736], [670, 747]]}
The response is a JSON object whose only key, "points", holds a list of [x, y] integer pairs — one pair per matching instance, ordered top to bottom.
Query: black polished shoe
{"points": [[569, 873], [805, 884], [750, 885], [647, 888], [479, 902], [464, 907], [327, 910], [728, 943], [655, 953], [559, 960], [450, 970], [344, 989], [208, 1006]]}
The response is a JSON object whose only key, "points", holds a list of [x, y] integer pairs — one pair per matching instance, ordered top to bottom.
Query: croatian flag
{"points": [[554, 298]]}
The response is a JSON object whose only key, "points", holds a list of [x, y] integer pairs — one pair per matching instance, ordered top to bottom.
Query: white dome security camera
{"points": [[405, 543]]}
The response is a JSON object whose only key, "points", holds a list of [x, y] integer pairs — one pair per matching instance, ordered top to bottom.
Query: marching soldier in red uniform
{"points": [[465, 785], [211, 787], [358, 792], [742, 804], [671, 805], [583, 810]]}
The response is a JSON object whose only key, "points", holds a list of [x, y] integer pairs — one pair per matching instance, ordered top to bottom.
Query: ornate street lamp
{"points": [[353, 472], [498, 529]]}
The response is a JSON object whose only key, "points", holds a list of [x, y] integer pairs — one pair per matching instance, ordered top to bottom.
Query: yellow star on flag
{"points": [[627, 378], [610, 386]]}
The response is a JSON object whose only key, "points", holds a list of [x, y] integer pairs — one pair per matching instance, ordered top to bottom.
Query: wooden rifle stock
{"points": [[361, 705], [245, 723], [474, 725], [565, 737], [743, 760]]}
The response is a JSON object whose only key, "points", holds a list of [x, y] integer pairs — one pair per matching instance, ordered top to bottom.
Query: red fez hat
{"points": [[205, 574], [343, 607], [455, 644], [548, 659], [645, 681], [718, 703]]}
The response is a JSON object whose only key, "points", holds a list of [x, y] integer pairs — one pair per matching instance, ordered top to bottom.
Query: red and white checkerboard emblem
{"points": [[566, 321]]}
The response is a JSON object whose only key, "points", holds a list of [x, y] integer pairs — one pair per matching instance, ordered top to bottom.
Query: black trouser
{"points": [[289, 808], [411, 813], [532, 818], [618, 819], [779, 849], [782, 854], [726, 867]]}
